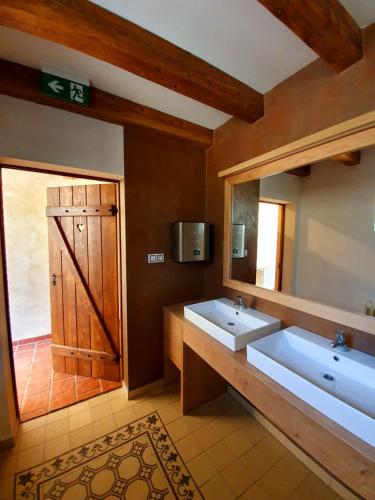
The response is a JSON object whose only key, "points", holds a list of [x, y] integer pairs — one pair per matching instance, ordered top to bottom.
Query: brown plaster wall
{"points": [[311, 100], [164, 182]]}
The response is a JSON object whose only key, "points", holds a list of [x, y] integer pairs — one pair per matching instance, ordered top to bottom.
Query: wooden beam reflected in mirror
{"points": [[351, 158], [301, 171]]}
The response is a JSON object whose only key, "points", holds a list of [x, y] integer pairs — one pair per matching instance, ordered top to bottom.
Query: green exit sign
{"points": [[62, 86]]}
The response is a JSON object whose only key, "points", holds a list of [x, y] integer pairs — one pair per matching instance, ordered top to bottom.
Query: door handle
{"points": [[53, 279]]}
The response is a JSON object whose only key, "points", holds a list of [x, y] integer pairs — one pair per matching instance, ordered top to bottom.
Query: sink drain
{"points": [[231, 324], [329, 377]]}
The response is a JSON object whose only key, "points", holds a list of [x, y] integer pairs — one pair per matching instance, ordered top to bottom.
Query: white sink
{"points": [[229, 324], [339, 384]]}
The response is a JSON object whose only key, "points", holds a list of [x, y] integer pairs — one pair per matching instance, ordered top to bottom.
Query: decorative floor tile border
{"points": [[143, 447]]}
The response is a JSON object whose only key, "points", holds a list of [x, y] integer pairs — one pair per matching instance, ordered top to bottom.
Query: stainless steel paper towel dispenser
{"points": [[190, 241], [238, 241]]}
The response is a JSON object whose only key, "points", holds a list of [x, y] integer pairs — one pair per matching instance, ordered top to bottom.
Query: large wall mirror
{"points": [[308, 232]]}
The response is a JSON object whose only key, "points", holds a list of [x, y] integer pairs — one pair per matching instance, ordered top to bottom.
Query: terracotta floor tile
{"points": [[44, 344], [25, 347], [44, 351], [42, 354], [26, 355], [23, 364], [42, 364], [22, 374], [39, 374], [57, 376], [89, 384], [108, 385], [21, 386], [37, 386], [60, 386], [45, 389], [89, 394], [64, 399], [36, 402], [33, 414]]}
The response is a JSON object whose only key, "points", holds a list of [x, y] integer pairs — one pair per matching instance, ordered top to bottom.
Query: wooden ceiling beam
{"points": [[324, 25], [92, 30], [25, 83], [352, 158]]}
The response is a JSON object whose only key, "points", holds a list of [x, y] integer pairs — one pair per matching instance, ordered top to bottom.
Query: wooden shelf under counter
{"points": [[206, 368]]}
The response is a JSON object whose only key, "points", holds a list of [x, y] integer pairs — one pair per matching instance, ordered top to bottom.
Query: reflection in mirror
{"points": [[245, 231], [309, 233]]}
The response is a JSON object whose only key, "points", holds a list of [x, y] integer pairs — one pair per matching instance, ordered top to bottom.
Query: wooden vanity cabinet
{"points": [[173, 338], [172, 346], [205, 367]]}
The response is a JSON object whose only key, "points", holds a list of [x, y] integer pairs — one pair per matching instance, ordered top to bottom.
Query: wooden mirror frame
{"points": [[352, 135]]}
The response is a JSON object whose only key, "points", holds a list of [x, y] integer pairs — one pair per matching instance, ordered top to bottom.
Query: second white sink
{"points": [[230, 325]]}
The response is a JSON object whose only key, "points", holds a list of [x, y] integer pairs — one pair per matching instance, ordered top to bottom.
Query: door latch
{"points": [[53, 279]]}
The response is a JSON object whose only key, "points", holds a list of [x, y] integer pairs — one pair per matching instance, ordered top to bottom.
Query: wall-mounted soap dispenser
{"points": [[190, 241]]}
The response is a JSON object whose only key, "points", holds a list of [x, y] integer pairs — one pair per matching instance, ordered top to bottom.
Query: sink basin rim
{"points": [[199, 314], [341, 411]]}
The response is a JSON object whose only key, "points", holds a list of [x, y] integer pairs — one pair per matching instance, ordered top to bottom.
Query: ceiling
{"points": [[241, 38]]}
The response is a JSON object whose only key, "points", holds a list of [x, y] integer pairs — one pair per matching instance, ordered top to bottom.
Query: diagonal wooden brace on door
{"points": [[81, 278]]}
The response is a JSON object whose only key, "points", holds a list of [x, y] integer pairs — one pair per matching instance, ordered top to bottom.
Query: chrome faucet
{"points": [[239, 302], [339, 343]]}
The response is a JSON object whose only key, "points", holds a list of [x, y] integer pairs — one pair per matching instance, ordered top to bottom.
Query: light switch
{"points": [[155, 258]]}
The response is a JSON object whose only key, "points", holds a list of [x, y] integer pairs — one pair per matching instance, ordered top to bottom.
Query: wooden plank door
{"points": [[83, 262]]}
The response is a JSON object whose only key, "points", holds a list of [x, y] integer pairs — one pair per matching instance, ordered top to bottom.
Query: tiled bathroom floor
{"points": [[41, 390], [227, 452]]}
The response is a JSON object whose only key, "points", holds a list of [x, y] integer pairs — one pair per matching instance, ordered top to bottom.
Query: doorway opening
{"points": [[271, 222], [61, 238]]}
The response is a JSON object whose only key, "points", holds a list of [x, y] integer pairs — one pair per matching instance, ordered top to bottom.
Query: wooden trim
{"points": [[324, 25], [115, 40], [24, 83], [330, 134], [360, 140], [27, 165], [49, 168], [98, 210], [280, 247], [81, 278], [4, 292], [123, 308], [354, 320], [357, 321], [87, 354]]}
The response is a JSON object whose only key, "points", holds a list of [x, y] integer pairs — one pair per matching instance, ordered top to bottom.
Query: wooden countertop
{"points": [[340, 452]]}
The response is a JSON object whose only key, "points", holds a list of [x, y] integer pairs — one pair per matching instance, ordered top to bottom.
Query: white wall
{"points": [[30, 131], [282, 188], [26, 245], [335, 255]]}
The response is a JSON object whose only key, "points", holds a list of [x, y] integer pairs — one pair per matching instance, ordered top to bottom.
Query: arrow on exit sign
{"points": [[56, 86], [66, 87]]}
